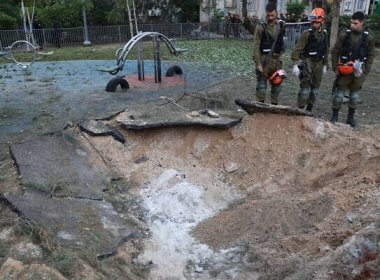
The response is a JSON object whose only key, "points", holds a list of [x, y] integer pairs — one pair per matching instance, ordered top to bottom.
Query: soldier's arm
{"points": [[256, 45], [299, 48], [335, 52], [371, 55]]}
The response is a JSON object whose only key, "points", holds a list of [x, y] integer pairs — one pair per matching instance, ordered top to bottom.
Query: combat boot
{"points": [[309, 107], [334, 117], [350, 117]]}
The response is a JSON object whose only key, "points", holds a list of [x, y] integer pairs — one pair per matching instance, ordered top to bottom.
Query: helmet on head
{"points": [[317, 15], [277, 77]]}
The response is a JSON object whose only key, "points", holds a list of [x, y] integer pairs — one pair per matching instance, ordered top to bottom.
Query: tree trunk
{"points": [[246, 22], [334, 23]]}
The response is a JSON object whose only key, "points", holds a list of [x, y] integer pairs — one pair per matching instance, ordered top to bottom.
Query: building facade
{"points": [[257, 7]]}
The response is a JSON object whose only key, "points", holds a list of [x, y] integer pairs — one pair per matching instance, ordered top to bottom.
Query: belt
{"points": [[273, 54]]}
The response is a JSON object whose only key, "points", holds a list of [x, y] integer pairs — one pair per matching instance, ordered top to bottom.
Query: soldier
{"points": [[268, 47], [312, 49], [351, 59]]}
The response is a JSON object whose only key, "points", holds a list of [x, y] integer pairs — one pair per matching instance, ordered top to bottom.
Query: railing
{"points": [[59, 37]]}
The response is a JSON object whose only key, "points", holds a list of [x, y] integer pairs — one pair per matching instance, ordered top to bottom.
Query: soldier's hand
{"points": [[260, 68], [324, 69], [296, 70]]}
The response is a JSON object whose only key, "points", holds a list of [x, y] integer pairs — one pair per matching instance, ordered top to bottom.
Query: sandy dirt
{"points": [[274, 197]]}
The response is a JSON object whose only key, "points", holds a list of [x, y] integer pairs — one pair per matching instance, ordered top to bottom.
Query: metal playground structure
{"points": [[138, 40], [23, 53]]}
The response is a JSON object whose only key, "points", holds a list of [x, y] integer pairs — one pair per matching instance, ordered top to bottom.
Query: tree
{"points": [[62, 13], [9, 14], [247, 23], [334, 23]]}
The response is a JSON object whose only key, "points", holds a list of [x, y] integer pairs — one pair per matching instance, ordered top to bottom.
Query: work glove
{"points": [[358, 68], [324, 69], [296, 70]]}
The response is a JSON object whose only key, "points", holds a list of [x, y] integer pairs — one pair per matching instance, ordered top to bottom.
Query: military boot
{"points": [[309, 107], [334, 117], [350, 117]]}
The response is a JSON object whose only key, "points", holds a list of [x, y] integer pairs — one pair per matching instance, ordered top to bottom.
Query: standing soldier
{"points": [[268, 47], [312, 49], [351, 59]]}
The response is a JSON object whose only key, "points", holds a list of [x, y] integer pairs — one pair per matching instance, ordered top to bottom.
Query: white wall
{"points": [[348, 7]]}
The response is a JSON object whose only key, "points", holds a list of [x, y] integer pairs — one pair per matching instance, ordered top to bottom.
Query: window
{"points": [[230, 4], [360, 5]]}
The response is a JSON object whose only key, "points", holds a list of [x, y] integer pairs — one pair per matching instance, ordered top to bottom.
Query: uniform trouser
{"points": [[272, 66], [348, 84], [309, 91]]}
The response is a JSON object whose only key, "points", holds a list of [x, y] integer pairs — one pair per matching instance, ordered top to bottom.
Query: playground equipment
{"points": [[23, 50], [122, 54]]}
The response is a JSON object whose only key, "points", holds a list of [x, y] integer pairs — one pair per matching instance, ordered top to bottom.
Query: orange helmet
{"points": [[317, 15], [346, 69], [277, 77]]}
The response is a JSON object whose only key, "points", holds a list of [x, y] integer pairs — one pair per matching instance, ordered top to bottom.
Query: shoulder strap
{"points": [[265, 30], [362, 39]]}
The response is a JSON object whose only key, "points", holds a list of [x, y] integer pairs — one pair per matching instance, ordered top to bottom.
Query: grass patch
{"points": [[235, 54], [50, 189], [38, 235], [66, 262]]}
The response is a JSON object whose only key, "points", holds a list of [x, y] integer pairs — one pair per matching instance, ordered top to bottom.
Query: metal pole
{"points": [[44, 36], [86, 41], [157, 60], [140, 61]]}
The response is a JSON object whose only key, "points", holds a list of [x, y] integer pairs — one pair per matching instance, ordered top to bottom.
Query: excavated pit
{"points": [[274, 197]]}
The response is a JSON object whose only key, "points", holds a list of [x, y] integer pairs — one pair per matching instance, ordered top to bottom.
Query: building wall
{"points": [[257, 7], [348, 7]]}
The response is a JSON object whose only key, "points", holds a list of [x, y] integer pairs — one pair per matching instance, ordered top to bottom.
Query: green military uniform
{"points": [[272, 64], [349, 83], [309, 91]]}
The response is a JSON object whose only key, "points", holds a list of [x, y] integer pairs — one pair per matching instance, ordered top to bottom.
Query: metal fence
{"points": [[59, 37]]}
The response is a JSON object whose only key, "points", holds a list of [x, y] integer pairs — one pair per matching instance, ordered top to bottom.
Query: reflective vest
{"points": [[267, 40], [314, 48], [357, 52]]}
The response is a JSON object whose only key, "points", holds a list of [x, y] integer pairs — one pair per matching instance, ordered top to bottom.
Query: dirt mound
{"points": [[274, 197]]}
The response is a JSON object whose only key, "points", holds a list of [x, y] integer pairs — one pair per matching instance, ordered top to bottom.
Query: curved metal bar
{"points": [[29, 45], [123, 54]]}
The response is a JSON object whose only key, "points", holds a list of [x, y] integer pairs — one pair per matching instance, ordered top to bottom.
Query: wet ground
{"points": [[50, 94]]}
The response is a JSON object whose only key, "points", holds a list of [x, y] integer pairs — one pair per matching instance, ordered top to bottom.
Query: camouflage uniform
{"points": [[318, 58], [272, 65], [349, 83]]}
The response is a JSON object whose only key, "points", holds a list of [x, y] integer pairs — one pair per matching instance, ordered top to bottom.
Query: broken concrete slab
{"points": [[252, 107], [139, 121], [99, 128], [61, 166], [83, 223]]}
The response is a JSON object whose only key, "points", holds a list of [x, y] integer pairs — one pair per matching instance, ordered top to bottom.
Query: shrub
{"points": [[296, 8], [7, 22]]}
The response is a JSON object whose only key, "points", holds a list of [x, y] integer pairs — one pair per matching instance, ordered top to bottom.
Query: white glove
{"points": [[358, 68], [324, 69], [296, 70]]}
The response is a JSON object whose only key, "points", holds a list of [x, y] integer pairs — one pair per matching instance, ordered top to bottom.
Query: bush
{"points": [[296, 8], [61, 15], [217, 16], [7, 22]]}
